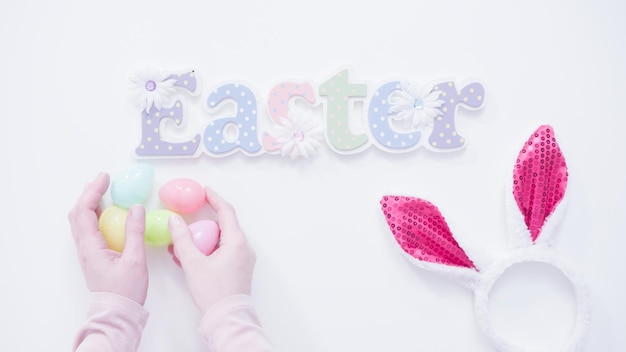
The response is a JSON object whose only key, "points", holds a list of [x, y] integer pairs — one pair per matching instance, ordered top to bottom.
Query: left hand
{"points": [[105, 270]]}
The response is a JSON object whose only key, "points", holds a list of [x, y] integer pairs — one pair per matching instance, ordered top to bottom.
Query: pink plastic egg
{"points": [[182, 195], [205, 235]]}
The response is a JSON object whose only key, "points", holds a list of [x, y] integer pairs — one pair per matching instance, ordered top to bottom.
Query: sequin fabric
{"points": [[539, 178], [422, 232]]}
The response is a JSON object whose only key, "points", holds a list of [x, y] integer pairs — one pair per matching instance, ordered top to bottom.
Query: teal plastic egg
{"points": [[134, 186]]}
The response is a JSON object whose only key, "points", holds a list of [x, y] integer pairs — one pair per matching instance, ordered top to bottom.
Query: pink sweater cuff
{"points": [[114, 323], [233, 325]]}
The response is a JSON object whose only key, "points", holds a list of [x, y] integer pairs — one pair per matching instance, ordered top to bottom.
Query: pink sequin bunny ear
{"points": [[539, 183], [426, 239]]}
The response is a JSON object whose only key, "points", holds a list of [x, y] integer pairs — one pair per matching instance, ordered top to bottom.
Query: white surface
{"points": [[329, 277]]}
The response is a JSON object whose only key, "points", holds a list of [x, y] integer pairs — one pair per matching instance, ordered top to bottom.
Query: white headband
{"points": [[534, 207]]}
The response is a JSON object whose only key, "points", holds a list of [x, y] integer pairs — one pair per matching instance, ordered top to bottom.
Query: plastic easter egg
{"points": [[132, 187], [182, 195], [112, 223], [157, 231], [205, 235]]}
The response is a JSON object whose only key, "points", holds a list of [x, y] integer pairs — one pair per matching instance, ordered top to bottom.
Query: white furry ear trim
{"points": [[466, 277]]}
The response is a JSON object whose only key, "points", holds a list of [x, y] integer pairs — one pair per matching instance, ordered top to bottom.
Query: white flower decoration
{"points": [[153, 88], [412, 110], [300, 134]]}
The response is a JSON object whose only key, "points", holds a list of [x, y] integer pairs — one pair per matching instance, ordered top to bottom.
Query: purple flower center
{"points": [[151, 86], [298, 135]]}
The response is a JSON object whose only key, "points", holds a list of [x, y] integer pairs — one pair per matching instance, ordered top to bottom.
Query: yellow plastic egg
{"points": [[112, 225]]}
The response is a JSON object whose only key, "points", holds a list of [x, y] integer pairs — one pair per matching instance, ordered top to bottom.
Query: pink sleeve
{"points": [[114, 323], [232, 325]]}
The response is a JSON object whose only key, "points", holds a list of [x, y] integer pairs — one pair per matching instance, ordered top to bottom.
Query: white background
{"points": [[329, 277]]}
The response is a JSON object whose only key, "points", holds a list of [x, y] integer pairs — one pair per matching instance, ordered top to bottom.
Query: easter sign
{"points": [[396, 117]]}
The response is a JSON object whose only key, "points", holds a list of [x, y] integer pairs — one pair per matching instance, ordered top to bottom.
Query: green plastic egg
{"points": [[157, 231]]}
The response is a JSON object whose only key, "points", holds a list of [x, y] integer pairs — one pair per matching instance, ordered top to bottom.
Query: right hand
{"points": [[228, 270]]}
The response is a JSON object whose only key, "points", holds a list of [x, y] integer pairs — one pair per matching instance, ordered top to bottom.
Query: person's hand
{"points": [[105, 270], [227, 271]]}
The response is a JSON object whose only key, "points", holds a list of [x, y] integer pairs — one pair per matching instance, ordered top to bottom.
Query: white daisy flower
{"points": [[153, 88], [412, 110], [300, 134]]}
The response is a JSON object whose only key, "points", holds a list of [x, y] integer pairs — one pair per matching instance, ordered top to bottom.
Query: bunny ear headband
{"points": [[534, 208]]}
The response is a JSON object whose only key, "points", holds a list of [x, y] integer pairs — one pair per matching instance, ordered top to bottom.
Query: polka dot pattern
{"points": [[186, 81], [338, 92], [282, 93], [278, 105], [378, 120], [244, 123], [445, 135], [151, 142], [539, 178], [422, 232]]}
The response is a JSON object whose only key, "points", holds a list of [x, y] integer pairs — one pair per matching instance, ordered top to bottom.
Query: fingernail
{"points": [[135, 211], [174, 221]]}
